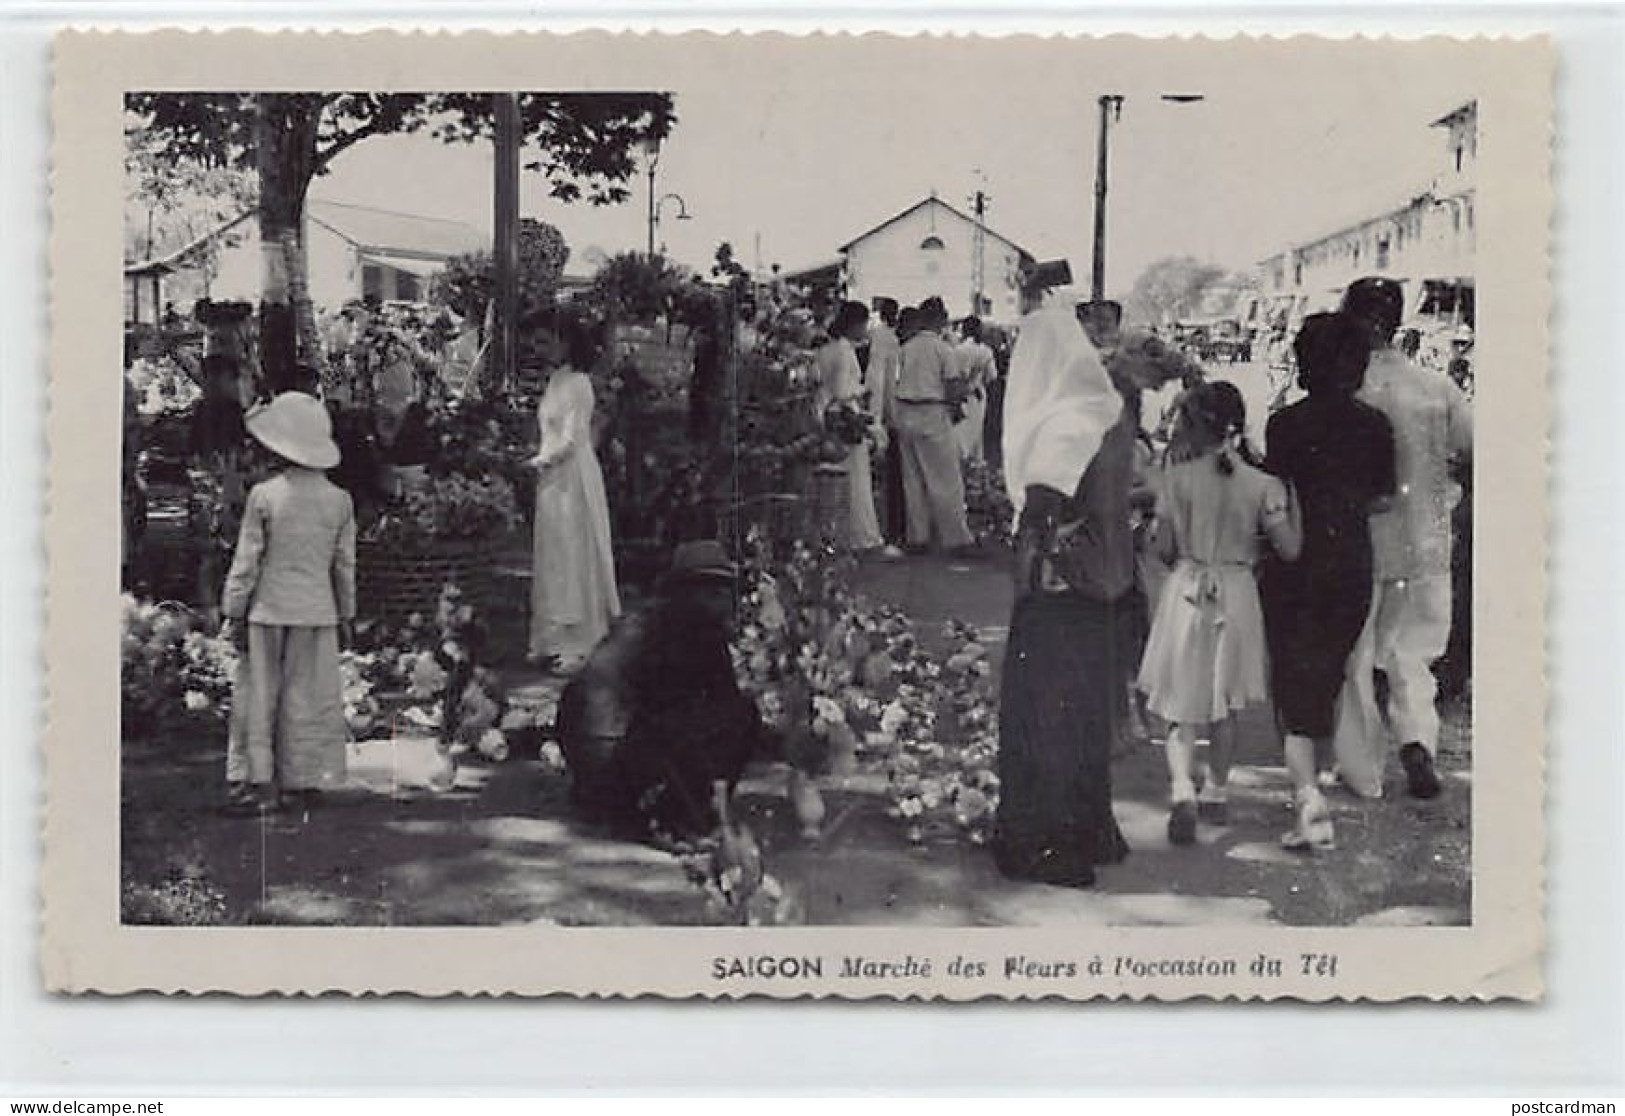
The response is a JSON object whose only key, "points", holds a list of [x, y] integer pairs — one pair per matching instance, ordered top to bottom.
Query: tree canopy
{"points": [[585, 143], [1169, 288]]}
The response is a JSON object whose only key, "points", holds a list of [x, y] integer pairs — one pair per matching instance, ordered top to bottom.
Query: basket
{"points": [[830, 497], [781, 517], [392, 581]]}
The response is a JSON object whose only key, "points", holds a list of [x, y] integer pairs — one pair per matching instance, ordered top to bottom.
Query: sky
{"points": [[797, 156]]}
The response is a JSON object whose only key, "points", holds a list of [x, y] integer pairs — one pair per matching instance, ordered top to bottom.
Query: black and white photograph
{"points": [[975, 493]]}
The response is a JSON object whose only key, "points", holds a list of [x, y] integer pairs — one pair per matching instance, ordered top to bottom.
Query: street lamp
{"points": [[1111, 111], [660, 205]]}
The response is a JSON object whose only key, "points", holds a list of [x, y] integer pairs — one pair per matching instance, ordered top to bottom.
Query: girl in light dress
{"points": [[573, 593], [1206, 657]]}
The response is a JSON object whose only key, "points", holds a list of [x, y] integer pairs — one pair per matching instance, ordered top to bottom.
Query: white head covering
{"points": [[1058, 406]]}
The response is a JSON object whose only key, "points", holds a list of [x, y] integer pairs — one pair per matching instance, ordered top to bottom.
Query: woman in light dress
{"points": [[977, 370], [841, 380], [573, 596]]}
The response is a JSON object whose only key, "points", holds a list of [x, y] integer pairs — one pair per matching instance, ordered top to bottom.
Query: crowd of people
{"points": [[922, 386], [1293, 577], [1187, 580]]}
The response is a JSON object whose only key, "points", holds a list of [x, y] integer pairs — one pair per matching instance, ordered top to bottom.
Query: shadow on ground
{"points": [[502, 846]]}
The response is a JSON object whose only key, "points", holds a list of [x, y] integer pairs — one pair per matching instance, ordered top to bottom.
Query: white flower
{"points": [[196, 702], [828, 710], [893, 718], [493, 745], [552, 756]]}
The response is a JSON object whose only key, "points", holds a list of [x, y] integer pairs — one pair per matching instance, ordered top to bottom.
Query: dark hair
{"points": [[1377, 303], [886, 308], [1103, 308], [933, 313], [849, 315], [908, 321], [971, 327], [582, 340], [1332, 350], [219, 364], [307, 379], [1210, 414]]}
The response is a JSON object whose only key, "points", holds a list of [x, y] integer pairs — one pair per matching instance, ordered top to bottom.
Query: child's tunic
{"points": [[292, 579]]}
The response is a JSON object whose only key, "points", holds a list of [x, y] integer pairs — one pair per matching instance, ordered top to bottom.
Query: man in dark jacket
{"points": [[656, 716]]}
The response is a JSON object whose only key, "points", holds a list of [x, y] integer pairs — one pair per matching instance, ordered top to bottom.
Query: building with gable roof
{"points": [[929, 249], [352, 252]]}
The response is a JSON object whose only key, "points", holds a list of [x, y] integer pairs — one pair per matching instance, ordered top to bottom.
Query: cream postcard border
{"points": [[83, 947]]}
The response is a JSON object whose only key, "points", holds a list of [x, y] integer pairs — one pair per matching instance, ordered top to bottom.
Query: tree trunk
{"points": [[285, 147]]}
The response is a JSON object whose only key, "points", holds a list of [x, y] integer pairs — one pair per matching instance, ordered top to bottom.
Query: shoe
{"points": [[890, 553], [1419, 774], [251, 802], [1213, 806], [1182, 823], [1314, 829]]}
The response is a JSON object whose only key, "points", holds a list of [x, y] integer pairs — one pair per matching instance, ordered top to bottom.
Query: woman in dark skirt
{"points": [[1337, 456], [1069, 459]]}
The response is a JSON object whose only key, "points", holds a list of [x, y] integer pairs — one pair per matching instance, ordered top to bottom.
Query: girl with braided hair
{"points": [[1206, 657]]}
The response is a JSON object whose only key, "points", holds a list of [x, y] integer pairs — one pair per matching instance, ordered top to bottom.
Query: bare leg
{"points": [[1181, 750], [1222, 753], [1314, 821]]}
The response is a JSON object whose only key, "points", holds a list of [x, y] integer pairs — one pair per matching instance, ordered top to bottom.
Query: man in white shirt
{"points": [[934, 487], [1409, 624]]}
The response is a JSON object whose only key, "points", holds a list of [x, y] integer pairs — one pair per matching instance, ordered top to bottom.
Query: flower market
{"points": [[656, 594]]}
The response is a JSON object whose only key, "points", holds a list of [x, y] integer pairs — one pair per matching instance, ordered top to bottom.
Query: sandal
{"points": [[1313, 832]]}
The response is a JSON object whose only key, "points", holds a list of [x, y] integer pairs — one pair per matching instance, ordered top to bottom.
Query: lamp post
{"points": [[1111, 112], [659, 207]]}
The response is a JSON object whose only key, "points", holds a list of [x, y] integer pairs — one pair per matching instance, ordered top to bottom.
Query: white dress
{"points": [[977, 370], [840, 377], [573, 596]]}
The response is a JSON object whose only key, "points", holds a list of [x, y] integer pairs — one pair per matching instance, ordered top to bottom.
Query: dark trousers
{"points": [[894, 525]]}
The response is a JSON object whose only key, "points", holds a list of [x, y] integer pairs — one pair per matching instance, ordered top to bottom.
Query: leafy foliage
{"points": [[586, 140], [171, 201], [468, 283]]}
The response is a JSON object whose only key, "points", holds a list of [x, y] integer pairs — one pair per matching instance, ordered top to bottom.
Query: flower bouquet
{"points": [[1145, 361], [847, 420]]}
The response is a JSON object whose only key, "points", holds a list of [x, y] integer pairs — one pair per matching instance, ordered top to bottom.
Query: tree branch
{"points": [[345, 140]]}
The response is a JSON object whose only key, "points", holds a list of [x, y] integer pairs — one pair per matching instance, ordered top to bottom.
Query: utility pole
{"points": [[1111, 109], [652, 149], [505, 239], [978, 273]]}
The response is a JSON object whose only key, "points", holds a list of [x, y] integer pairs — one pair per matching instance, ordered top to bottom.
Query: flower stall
{"points": [[848, 687]]}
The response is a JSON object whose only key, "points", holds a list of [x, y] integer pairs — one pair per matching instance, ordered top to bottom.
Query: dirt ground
{"points": [[502, 847]]}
